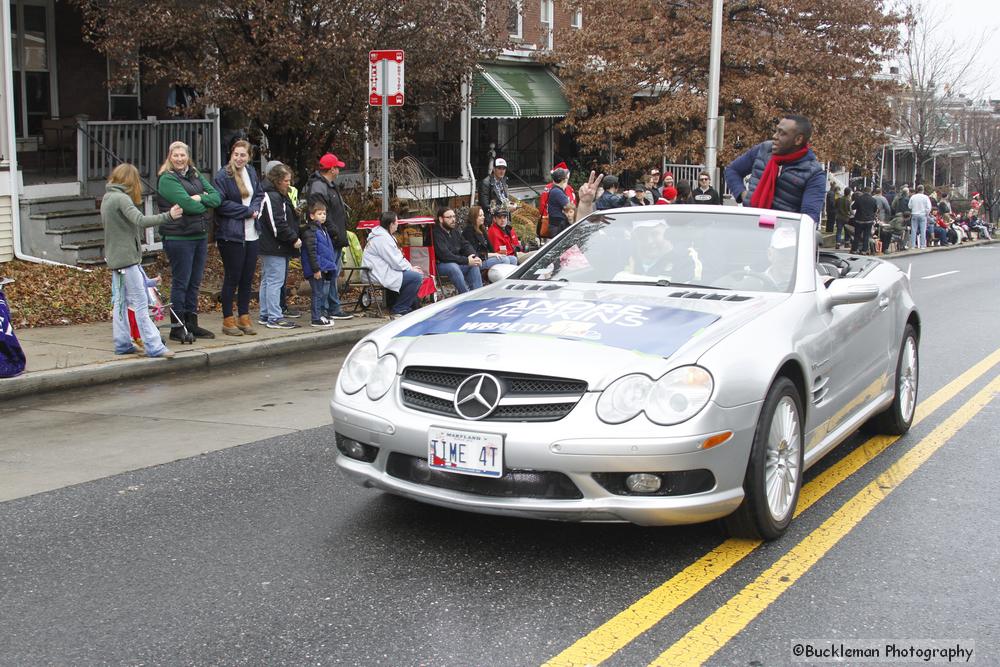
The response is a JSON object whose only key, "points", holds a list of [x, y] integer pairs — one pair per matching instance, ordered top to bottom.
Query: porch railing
{"points": [[143, 143]]}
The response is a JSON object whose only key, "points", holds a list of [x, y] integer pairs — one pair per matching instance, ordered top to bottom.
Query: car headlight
{"points": [[358, 368], [382, 376], [679, 395], [674, 398], [624, 399]]}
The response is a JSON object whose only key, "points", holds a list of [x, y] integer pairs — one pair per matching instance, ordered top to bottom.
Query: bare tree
{"points": [[934, 72], [981, 134]]}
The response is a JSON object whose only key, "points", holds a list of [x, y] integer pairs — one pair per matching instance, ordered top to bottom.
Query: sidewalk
{"points": [[82, 354]]}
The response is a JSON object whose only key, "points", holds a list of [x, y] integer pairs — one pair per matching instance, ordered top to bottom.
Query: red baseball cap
{"points": [[329, 161]]}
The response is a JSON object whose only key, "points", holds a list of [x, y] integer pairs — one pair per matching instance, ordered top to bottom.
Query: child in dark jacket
{"points": [[319, 263]]}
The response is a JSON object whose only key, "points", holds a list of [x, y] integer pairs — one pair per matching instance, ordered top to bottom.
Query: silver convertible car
{"points": [[655, 365]]}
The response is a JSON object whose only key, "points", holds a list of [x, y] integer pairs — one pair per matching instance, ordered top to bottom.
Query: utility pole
{"points": [[714, 65]]}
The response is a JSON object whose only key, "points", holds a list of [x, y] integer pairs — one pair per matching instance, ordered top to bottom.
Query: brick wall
{"points": [[534, 33], [6, 230]]}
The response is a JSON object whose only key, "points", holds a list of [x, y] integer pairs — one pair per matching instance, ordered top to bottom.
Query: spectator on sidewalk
{"points": [[784, 172], [652, 185], [322, 186], [493, 192], [705, 193], [293, 195], [668, 196], [610, 198], [543, 199], [558, 201], [901, 204], [831, 206], [920, 208], [865, 209], [884, 212], [843, 215], [124, 225], [895, 229], [476, 234], [237, 235], [503, 238], [185, 240], [279, 242], [454, 256], [319, 262], [389, 268]]}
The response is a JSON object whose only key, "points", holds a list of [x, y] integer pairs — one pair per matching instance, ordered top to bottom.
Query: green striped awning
{"points": [[517, 91]]}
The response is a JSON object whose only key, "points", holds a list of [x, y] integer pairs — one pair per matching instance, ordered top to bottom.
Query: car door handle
{"points": [[883, 303]]}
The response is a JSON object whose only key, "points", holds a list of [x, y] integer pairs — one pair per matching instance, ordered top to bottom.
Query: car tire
{"points": [[896, 419], [775, 464]]}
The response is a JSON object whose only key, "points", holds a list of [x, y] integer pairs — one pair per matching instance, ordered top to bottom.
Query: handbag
{"points": [[543, 227]]}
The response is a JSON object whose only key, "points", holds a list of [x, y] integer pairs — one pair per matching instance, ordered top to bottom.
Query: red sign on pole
{"points": [[392, 87]]}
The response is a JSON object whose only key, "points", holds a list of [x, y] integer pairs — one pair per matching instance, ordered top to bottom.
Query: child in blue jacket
{"points": [[319, 263]]}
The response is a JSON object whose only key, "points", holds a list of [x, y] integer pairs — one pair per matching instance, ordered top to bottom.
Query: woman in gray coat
{"points": [[124, 224]]}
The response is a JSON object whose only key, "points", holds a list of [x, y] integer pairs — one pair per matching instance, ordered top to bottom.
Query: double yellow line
{"points": [[705, 639]]}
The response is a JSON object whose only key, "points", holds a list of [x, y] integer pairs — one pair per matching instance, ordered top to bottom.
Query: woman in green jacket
{"points": [[123, 228], [186, 240]]}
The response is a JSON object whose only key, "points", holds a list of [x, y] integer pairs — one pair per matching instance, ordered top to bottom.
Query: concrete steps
{"points": [[64, 229]]}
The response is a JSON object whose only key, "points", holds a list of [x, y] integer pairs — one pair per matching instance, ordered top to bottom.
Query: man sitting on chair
{"points": [[388, 266]]}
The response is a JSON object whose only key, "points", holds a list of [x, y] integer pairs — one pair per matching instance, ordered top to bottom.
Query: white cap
{"points": [[500, 162], [782, 238]]}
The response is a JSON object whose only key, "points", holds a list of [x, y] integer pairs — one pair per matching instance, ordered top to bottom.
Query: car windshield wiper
{"points": [[662, 282]]}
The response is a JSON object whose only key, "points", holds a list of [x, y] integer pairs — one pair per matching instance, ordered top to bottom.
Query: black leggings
{"points": [[239, 259]]}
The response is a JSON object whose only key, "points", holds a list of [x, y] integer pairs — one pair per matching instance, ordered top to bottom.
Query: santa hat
{"points": [[561, 165]]}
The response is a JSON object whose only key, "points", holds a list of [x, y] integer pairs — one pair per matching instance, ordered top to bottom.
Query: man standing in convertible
{"points": [[784, 172]]}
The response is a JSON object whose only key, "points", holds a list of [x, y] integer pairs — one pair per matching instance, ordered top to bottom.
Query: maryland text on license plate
{"points": [[465, 452]]}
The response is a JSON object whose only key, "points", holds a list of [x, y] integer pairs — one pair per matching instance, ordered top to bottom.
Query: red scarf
{"points": [[763, 194]]}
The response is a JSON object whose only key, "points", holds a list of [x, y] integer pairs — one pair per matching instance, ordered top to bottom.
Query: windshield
{"points": [[717, 249]]}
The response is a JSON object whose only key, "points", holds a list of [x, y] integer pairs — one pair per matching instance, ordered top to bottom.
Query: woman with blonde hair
{"points": [[124, 224], [237, 234], [185, 240]]}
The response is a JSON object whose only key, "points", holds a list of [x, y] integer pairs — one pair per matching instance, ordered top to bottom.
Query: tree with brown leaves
{"points": [[297, 69], [637, 75]]}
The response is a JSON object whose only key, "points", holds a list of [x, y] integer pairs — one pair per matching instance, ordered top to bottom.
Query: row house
{"points": [[62, 129]]}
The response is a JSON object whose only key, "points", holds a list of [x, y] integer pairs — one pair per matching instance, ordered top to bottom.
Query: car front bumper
{"points": [[576, 446]]}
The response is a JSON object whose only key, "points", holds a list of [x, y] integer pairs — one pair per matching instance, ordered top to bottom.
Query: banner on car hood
{"points": [[658, 330]]}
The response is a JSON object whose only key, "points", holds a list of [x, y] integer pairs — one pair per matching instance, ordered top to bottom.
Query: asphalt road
{"points": [[263, 554]]}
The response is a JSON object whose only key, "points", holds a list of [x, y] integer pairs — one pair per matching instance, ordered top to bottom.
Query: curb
{"points": [[135, 367]]}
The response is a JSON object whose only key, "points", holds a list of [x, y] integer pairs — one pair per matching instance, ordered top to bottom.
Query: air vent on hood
{"points": [[536, 287], [710, 296]]}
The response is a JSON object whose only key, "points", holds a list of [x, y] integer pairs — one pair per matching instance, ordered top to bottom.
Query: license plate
{"points": [[465, 452]]}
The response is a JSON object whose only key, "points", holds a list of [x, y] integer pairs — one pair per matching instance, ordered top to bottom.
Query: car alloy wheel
{"points": [[896, 419], [774, 471]]}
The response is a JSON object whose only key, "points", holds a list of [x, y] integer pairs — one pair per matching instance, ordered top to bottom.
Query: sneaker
{"points": [[292, 313], [341, 315], [262, 321], [322, 322], [282, 324], [166, 354]]}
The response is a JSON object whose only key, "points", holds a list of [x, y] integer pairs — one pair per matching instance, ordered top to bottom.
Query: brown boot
{"points": [[229, 326], [246, 326]]}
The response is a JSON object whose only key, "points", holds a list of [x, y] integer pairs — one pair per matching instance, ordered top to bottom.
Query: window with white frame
{"points": [[547, 13], [515, 18], [577, 19]]}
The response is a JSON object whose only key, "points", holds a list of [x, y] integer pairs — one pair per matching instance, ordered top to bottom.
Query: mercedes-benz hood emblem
{"points": [[478, 396]]}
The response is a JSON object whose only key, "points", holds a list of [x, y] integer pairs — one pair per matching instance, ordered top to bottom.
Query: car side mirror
{"points": [[499, 272], [846, 290]]}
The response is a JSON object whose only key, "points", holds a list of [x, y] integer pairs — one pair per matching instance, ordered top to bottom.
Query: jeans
{"points": [[840, 231], [918, 231], [862, 235], [239, 259], [505, 259], [187, 265], [465, 277], [272, 280], [128, 290], [408, 292], [320, 295], [332, 305]]}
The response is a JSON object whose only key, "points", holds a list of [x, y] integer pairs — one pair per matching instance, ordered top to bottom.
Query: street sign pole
{"points": [[714, 65], [385, 135]]}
